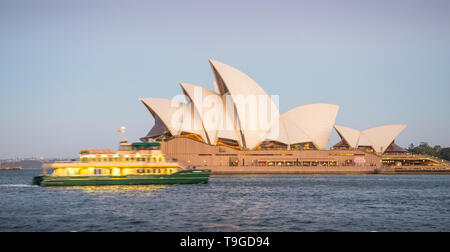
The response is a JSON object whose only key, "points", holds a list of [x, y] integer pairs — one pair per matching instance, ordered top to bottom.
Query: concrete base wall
{"points": [[191, 153]]}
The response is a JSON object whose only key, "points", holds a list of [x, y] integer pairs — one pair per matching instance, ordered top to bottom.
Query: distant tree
{"points": [[411, 148], [426, 149], [437, 149], [444, 153]]}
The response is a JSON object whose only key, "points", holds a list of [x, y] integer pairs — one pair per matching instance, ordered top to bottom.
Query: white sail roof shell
{"points": [[216, 87], [243, 89], [168, 111], [213, 115], [176, 116], [315, 120], [191, 121], [158, 129], [229, 129], [278, 134], [288, 134], [295, 135], [351, 136], [382, 137], [379, 138], [364, 140]]}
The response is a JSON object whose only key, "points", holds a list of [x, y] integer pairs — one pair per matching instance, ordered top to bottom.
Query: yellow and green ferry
{"points": [[134, 164]]}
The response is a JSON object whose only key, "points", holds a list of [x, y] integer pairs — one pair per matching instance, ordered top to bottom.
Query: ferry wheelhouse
{"points": [[133, 164]]}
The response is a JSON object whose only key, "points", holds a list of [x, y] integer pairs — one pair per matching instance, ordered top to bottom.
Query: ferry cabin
{"points": [[131, 159]]}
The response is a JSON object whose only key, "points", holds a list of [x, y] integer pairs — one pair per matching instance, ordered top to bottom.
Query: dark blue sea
{"points": [[232, 203]]}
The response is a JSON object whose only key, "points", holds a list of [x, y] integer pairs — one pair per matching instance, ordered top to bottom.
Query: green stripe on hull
{"points": [[183, 177]]}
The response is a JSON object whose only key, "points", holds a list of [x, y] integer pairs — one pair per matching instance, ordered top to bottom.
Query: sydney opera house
{"points": [[237, 124]]}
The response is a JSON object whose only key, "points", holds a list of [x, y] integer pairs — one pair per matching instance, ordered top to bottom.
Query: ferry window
{"points": [[127, 159], [153, 159], [160, 159], [154, 170], [148, 171]]}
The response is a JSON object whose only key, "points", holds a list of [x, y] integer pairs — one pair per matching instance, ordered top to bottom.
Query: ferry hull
{"points": [[182, 177]]}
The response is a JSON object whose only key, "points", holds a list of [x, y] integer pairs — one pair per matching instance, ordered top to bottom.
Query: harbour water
{"points": [[232, 203]]}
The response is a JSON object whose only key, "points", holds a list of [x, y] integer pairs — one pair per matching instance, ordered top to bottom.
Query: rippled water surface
{"points": [[232, 203]]}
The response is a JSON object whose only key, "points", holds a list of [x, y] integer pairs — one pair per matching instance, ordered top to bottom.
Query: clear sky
{"points": [[71, 72]]}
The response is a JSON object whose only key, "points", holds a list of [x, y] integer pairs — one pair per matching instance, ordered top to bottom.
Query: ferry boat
{"points": [[133, 164]]}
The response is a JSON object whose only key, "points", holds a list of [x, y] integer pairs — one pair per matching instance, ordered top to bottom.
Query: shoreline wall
{"points": [[230, 170], [336, 170]]}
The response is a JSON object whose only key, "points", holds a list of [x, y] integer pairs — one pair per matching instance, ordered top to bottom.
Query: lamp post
{"points": [[122, 133]]}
